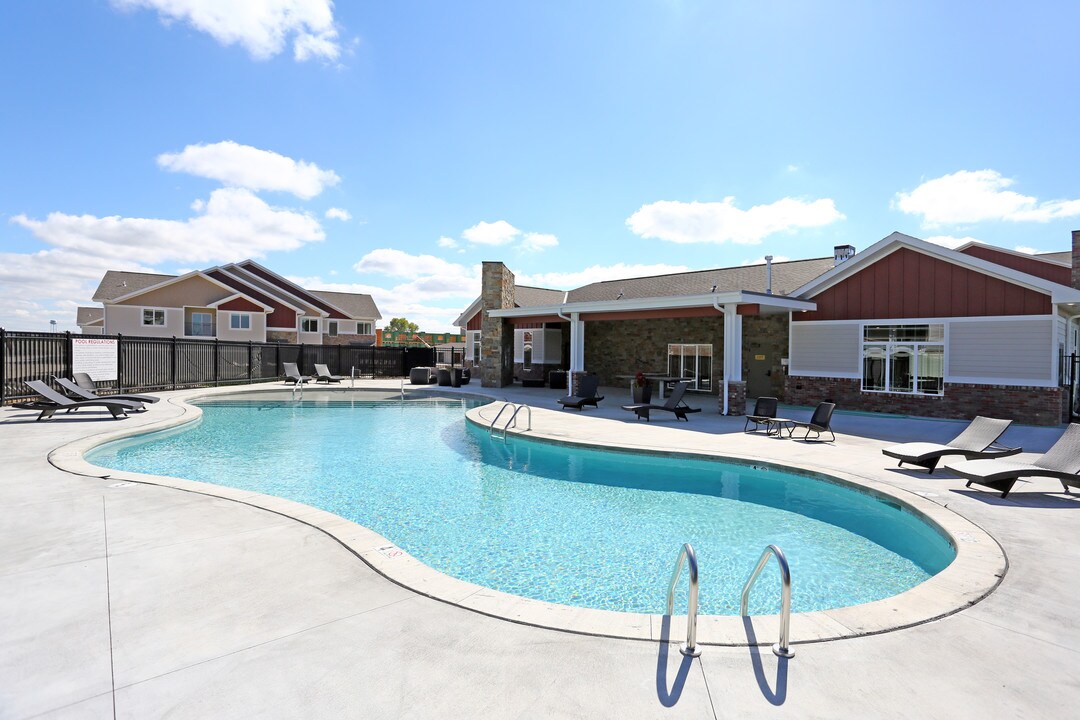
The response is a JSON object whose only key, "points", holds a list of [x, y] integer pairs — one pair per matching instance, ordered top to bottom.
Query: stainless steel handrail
{"points": [[512, 422], [491, 428], [690, 647], [781, 648]]}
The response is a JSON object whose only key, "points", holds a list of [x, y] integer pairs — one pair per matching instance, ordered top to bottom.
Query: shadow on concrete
{"points": [[1042, 498], [779, 695], [668, 697]]}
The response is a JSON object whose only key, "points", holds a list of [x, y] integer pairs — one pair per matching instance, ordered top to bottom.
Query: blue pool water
{"points": [[566, 525]]}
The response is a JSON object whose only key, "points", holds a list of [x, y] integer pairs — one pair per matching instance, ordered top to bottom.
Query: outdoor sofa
{"points": [[978, 440], [1061, 462]]}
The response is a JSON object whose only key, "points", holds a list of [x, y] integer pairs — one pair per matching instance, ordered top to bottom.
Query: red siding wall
{"points": [[1029, 265], [908, 284], [297, 291], [240, 305], [281, 317], [475, 321]]}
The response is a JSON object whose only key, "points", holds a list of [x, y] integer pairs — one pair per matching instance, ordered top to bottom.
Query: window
{"points": [[153, 317], [240, 321], [202, 325], [309, 325], [331, 327], [363, 328], [527, 350], [904, 359], [693, 362]]}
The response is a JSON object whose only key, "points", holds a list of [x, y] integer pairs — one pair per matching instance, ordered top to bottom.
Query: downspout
{"points": [[716, 304], [570, 321]]}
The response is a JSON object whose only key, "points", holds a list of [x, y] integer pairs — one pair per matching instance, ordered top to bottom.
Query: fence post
{"points": [[300, 360], [250, 361], [277, 361], [174, 362], [215, 362], [119, 363], [3, 366], [69, 369]]}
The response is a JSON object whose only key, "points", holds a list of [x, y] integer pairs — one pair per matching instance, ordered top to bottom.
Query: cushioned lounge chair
{"points": [[292, 374], [323, 374], [587, 388], [80, 392], [54, 401], [674, 405], [764, 411], [819, 422], [979, 440], [1062, 462]]}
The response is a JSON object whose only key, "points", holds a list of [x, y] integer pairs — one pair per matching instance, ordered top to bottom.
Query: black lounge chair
{"points": [[292, 374], [323, 374], [587, 388], [80, 391], [54, 401], [674, 405], [764, 411], [819, 422], [978, 441], [1062, 462]]}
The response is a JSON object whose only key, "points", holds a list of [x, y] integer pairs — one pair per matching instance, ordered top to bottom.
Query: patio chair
{"points": [[292, 374], [323, 374], [587, 388], [78, 392], [54, 401], [674, 405], [764, 411], [819, 422], [979, 440], [1062, 462]]}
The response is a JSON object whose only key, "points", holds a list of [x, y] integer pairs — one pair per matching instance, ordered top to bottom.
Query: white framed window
{"points": [[153, 317], [240, 321], [201, 324], [309, 325], [332, 327], [363, 328], [474, 339], [904, 359], [693, 362]]}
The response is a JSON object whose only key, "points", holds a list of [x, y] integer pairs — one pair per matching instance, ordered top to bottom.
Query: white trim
{"points": [[886, 246], [1014, 253], [171, 281], [290, 283], [276, 292], [241, 296], [739, 297], [164, 313], [237, 314], [463, 319], [300, 324], [847, 376]]}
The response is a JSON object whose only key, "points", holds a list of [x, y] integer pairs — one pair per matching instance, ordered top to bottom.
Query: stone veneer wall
{"points": [[1076, 259], [496, 334], [766, 335], [284, 336], [347, 339], [1032, 405]]}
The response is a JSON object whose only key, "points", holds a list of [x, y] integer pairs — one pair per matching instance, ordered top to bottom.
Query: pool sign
{"points": [[94, 356], [390, 551]]}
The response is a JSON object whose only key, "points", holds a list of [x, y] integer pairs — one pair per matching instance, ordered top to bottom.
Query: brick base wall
{"points": [[736, 399], [1030, 405]]}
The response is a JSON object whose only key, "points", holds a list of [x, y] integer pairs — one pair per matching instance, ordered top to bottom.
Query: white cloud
{"points": [[262, 27], [249, 167], [971, 196], [338, 214], [719, 222], [499, 232], [950, 241], [447, 242], [535, 242], [1027, 250], [761, 260], [397, 263], [596, 273], [404, 301]]}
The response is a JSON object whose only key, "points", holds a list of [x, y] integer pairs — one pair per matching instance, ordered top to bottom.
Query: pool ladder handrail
{"points": [[512, 422], [689, 648], [782, 648]]}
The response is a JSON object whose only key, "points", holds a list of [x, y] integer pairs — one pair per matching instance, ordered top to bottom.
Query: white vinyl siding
{"points": [[825, 349], [1014, 352]]}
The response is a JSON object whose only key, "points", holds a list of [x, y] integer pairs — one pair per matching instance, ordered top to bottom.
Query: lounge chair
{"points": [[292, 374], [323, 374], [587, 388], [79, 394], [54, 401], [674, 405], [764, 411], [819, 422], [979, 440], [1062, 462]]}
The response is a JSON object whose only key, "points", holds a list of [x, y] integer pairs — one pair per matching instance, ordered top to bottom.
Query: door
{"points": [[759, 376]]}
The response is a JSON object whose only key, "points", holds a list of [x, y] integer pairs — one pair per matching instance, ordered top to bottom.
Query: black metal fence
{"points": [[145, 363], [1070, 380]]}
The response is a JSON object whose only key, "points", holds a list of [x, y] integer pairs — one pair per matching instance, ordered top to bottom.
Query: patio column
{"points": [[577, 344], [732, 354]]}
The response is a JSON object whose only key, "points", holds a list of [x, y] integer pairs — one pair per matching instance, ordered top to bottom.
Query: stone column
{"points": [[1076, 259], [496, 334]]}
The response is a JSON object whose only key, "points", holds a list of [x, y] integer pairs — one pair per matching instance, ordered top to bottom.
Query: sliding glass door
{"points": [[693, 362]]}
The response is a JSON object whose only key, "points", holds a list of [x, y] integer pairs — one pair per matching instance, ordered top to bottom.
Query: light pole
{"points": [[52, 326]]}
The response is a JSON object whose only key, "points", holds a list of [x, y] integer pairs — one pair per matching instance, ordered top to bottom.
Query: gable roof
{"points": [[786, 277], [117, 283], [292, 288], [1058, 293], [524, 296], [356, 305], [89, 315]]}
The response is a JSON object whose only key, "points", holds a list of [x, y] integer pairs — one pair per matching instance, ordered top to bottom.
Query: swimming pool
{"points": [[572, 526]]}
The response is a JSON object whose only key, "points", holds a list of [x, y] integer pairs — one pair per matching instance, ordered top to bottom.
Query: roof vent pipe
{"points": [[768, 274]]}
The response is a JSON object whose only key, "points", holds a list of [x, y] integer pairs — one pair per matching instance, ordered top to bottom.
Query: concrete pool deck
{"points": [[146, 601]]}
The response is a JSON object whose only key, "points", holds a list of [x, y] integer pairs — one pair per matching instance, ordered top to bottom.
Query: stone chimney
{"points": [[842, 253], [1076, 259], [496, 334]]}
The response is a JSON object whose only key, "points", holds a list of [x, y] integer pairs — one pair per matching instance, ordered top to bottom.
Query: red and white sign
{"points": [[95, 356]]}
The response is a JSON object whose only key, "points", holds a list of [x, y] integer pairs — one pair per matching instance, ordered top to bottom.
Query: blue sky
{"points": [[573, 141]]}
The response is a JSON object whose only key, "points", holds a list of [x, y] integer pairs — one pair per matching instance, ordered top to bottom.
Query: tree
{"points": [[401, 325]]}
